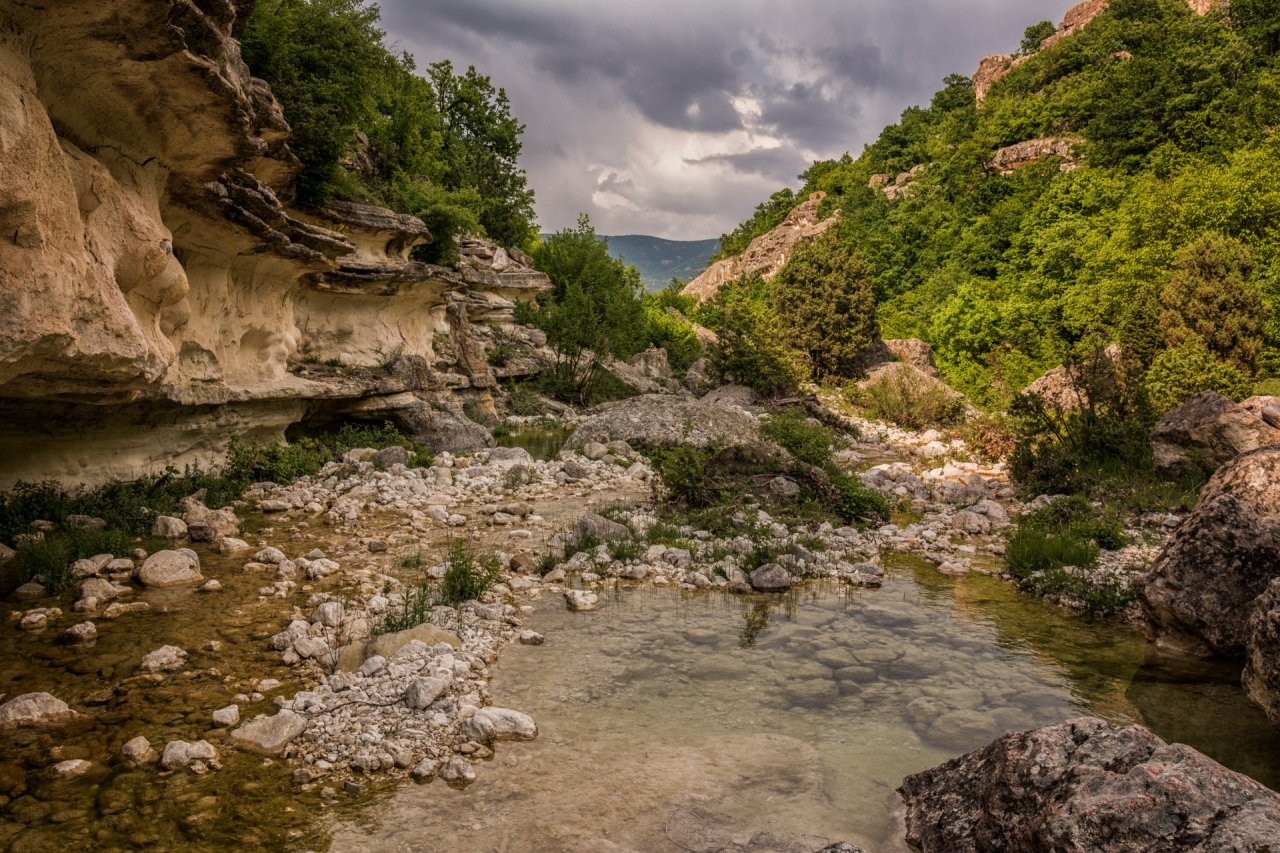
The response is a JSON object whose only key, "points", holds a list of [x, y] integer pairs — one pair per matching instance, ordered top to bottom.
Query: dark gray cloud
{"points": [[676, 117]]}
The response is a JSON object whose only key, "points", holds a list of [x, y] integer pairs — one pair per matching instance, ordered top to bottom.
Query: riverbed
{"points": [[674, 721]]}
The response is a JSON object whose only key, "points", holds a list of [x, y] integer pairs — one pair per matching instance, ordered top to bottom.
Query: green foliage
{"points": [[1034, 35], [366, 126], [1178, 186], [1211, 298], [826, 307], [593, 311], [669, 327], [750, 350], [1178, 373], [908, 399], [523, 402], [809, 442], [1058, 451], [275, 461], [683, 472], [855, 501], [1077, 515], [1033, 550], [50, 558], [466, 578], [416, 610]]}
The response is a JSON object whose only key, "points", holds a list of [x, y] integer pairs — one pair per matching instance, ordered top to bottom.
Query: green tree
{"points": [[1034, 35], [366, 126], [768, 216], [1211, 297], [826, 307], [593, 311], [750, 349], [1178, 373]]}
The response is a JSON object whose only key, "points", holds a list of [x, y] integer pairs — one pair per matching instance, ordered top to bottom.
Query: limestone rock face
{"points": [[1076, 19], [1013, 157], [768, 253], [157, 293], [663, 421], [1206, 432], [1199, 594], [1262, 652], [1086, 785]]}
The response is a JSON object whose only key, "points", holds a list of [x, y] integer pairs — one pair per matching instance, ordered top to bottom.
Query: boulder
{"points": [[652, 364], [632, 377], [700, 378], [733, 397], [653, 421], [443, 430], [1205, 433], [594, 450], [394, 455], [506, 458], [784, 488], [968, 521], [209, 525], [168, 527], [601, 528], [169, 568], [771, 578], [102, 590], [29, 591], [1199, 594], [577, 599], [329, 614], [83, 632], [1262, 652], [354, 655], [164, 659], [421, 692], [34, 709], [227, 716], [492, 724], [269, 735], [138, 751], [179, 754], [458, 772], [1087, 786]]}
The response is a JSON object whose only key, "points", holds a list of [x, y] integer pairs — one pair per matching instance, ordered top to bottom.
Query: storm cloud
{"points": [[676, 117]]}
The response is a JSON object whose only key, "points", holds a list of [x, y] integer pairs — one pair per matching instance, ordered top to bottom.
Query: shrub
{"points": [[1033, 35], [826, 307], [750, 349], [1177, 374], [907, 398], [522, 401], [353, 435], [809, 442], [276, 461], [683, 472], [856, 501], [1076, 515], [1031, 550], [51, 557], [465, 577], [416, 610]]}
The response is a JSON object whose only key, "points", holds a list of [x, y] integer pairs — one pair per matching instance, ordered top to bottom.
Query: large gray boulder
{"points": [[652, 363], [700, 377], [734, 397], [654, 420], [442, 430], [1205, 433], [601, 528], [169, 568], [1199, 593], [1262, 652], [490, 724], [1086, 786]]}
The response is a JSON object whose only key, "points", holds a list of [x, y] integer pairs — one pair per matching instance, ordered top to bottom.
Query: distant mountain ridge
{"points": [[661, 260]]}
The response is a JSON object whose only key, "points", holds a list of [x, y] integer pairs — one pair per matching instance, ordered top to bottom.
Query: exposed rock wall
{"points": [[768, 253], [157, 295]]}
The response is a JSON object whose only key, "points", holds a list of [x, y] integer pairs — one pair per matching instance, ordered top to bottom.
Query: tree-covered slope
{"points": [[1158, 231]]}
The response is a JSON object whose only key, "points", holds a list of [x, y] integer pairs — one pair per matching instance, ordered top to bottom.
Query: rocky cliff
{"points": [[768, 253], [158, 294]]}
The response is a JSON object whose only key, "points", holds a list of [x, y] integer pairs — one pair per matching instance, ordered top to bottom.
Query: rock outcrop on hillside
{"points": [[1013, 157], [768, 253], [157, 292], [1208, 431], [1198, 596], [1086, 786]]}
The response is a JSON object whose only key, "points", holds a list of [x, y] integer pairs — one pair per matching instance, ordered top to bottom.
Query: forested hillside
{"points": [[368, 127], [1152, 222]]}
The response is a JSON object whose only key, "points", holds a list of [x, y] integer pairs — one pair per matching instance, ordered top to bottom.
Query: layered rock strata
{"points": [[157, 294]]}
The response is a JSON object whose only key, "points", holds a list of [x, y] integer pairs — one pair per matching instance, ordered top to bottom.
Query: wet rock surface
{"points": [[1086, 785]]}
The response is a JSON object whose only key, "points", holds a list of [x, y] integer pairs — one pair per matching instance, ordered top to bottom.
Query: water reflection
{"points": [[541, 443]]}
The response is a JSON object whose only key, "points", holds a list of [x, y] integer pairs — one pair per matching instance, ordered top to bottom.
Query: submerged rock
{"points": [[1198, 596], [579, 600], [1262, 653], [34, 709], [490, 724], [1087, 786]]}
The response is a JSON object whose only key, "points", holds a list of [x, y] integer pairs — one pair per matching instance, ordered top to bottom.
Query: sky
{"points": [[675, 118]]}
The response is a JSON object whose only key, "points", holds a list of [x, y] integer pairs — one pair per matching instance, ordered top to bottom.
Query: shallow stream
{"points": [[541, 443], [706, 722]]}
